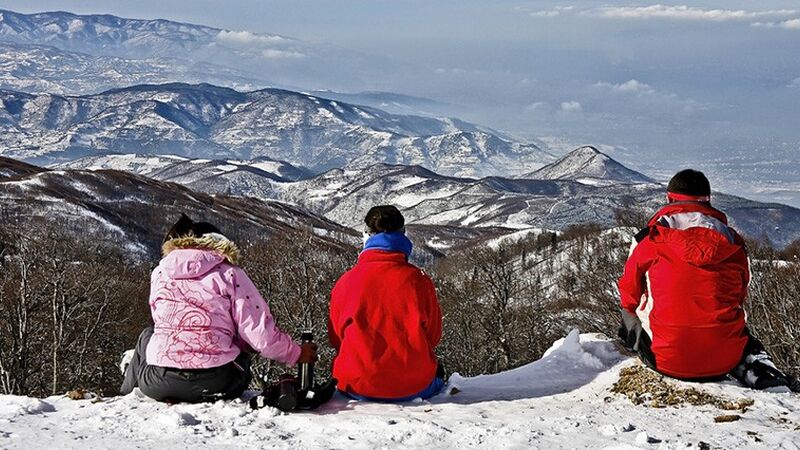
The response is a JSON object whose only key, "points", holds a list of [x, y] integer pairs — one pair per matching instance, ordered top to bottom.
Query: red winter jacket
{"points": [[687, 280], [384, 323]]}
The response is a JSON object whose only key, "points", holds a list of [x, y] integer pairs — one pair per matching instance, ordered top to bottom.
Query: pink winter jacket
{"points": [[206, 311]]}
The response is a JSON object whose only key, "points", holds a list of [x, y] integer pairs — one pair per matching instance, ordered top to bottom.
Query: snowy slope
{"points": [[136, 209], [560, 401]]}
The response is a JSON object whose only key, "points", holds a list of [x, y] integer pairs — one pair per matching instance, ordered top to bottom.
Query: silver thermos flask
{"points": [[305, 371]]}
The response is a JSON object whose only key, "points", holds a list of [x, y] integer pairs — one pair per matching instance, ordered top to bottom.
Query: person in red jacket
{"points": [[683, 291], [385, 320]]}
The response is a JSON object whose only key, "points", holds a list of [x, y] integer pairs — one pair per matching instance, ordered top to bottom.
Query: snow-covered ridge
{"points": [[112, 35], [46, 69], [204, 121], [194, 172], [431, 199], [135, 209], [560, 401]]}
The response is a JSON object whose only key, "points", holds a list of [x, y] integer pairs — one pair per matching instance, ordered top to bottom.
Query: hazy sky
{"points": [[668, 81]]}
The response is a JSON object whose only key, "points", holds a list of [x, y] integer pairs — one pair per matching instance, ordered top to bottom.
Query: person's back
{"points": [[697, 274], [683, 290], [191, 309], [208, 316], [385, 323]]}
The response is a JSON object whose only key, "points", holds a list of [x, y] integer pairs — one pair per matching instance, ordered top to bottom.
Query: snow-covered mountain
{"points": [[106, 34], [143, 47], [45, 69], [204, 121], [588, 165], [429, 198], [448, 206], [137, 210], [564, 400]]}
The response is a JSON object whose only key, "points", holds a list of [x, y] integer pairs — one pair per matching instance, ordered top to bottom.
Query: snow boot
{"points": [[758, 372], [794, 384], [320, 393], [287, 395]]}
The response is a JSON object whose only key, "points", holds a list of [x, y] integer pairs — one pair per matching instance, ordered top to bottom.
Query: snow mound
{"points": [[570, 363], [563, 400], [12, 406]]}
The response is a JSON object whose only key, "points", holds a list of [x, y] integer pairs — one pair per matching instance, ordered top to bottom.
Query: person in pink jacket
{"points": [[208, 317]]}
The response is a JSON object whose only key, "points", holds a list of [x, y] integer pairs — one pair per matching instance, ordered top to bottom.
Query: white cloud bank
{"points": [[557, 11], [680, 12], [684, 12], [791, 24], [248, 38], [260, 43], [272, 53], [634, 86]]}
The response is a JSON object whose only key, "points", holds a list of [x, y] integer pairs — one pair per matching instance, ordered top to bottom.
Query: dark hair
{"points": [[689, 182], [384, 219], [186, 227]]}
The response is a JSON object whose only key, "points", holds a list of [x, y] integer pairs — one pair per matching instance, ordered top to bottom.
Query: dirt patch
{"points": [[646, 387]]}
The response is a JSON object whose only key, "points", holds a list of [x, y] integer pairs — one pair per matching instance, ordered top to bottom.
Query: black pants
{"points": [[635, 338], [185, 385]]}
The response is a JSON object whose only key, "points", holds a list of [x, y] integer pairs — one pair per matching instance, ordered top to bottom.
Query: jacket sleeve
{"points": [[743, 261], [633, 284], [433, 314], [255, 324]]}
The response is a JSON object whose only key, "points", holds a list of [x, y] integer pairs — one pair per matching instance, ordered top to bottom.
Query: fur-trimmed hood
{"points": [[212, 241]]}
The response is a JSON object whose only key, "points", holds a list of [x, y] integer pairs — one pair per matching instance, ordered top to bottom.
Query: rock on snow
{"points": [[559, 401]]}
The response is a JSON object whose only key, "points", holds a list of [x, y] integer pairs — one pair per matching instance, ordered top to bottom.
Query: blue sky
{"points": [[667, 84]]}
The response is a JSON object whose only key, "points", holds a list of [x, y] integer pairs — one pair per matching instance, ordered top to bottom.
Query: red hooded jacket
{"points": [[687, 280], [384, 323]]}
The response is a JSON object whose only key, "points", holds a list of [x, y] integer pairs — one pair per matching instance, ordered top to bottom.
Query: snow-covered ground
{"points": [[561, 401]]}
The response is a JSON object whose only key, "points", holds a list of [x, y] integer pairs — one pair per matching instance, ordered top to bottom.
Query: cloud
{"points": [[551, 12], [678, 12], [684, 12], [791, 24], [248, 38], [272, 53], [794, 84], [628, 86], [648, 95], [537, 106], [571, 107]]}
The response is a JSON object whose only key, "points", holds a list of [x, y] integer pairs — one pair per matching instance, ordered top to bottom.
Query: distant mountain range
{"points": [[98, 52], [44, 69], [204, 121], [592, 192], [137, 210]]}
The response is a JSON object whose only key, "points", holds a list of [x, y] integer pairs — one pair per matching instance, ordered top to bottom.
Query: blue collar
{"points": [[389, 242]]}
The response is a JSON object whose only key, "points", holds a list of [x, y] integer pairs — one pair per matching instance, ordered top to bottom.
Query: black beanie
{"points": [[689, 182], [384, 219], [187, 227]]}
